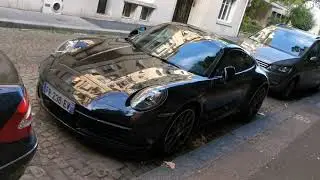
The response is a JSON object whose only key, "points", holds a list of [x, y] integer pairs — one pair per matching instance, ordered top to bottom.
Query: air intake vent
{"points": [[262, 64]]}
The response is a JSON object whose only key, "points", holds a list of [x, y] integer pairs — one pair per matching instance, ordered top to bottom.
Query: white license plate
{"points": [[58, 98]]}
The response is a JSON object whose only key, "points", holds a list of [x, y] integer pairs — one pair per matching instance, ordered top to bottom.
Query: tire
{"points": [[316, 88], [287, 93], [254, 105], [178, 131]]}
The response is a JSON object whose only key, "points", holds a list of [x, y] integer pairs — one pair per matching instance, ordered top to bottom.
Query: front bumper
{"points": [[278, 81], [137, 138], [15, 156]]}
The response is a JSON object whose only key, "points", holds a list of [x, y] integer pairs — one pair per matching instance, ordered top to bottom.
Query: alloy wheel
{"points": [[257, 101], [179, 130]]}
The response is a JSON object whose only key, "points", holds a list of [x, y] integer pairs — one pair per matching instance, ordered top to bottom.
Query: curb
{"points": [[56, 27]]}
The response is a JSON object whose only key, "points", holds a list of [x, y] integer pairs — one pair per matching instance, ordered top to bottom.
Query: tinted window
{"points": [[164, 40], [290, 41], [191, 49], [196, 57], [238, 59]]}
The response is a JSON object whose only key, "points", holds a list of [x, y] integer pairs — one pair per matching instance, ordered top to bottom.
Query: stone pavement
{"points": [[28, 19], [299, 161]]}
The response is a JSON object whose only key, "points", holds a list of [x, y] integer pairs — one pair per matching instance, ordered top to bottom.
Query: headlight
{"points": [[76, 44], [282, 69], [149, 98]]}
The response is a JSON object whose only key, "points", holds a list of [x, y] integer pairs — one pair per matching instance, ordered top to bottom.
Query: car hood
{"points": [[266, 53], [111, 67]]}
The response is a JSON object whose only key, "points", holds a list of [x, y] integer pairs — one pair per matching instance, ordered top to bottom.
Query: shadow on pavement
{"points": [[297, 95]]}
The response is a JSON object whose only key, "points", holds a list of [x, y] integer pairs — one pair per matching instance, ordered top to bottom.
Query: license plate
{"points": [[58, 98]]}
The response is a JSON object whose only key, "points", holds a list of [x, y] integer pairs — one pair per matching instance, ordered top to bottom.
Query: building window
{"points": [[102, 6], [128, 9], [225, 10], [146, 13]]}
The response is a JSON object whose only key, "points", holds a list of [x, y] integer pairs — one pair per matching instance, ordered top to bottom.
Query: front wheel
{"points": [[286, 94], [254, 105], [178, 131]]}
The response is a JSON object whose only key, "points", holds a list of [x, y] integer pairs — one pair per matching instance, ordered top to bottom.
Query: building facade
{"points": [[220, 16]]}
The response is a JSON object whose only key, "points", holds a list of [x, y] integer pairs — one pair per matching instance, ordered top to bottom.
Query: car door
{"points": [[310, 72], [223, 97]]}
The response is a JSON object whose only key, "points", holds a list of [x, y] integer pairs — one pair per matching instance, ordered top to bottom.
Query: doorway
{"points": [[102, 5], [182, 11]]}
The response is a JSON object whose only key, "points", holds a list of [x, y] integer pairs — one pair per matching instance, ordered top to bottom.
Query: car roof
{"points": [[297, 31]]}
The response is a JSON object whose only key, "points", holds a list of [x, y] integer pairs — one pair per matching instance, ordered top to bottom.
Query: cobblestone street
{"points": [[60, 156]]}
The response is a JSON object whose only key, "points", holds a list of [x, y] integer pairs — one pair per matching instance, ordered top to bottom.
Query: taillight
{"points": [[19, 125]]}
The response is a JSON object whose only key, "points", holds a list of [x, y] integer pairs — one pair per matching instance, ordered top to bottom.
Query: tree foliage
{"points": [[258, 9], [301, 18]]}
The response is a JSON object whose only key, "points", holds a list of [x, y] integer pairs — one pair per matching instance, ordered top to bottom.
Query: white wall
{"points": [[31, 5], [83, 8], [86, 8], [199, 11], [164, 12], [205, 15]]}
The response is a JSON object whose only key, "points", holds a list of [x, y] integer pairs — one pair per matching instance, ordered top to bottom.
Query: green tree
{"points": [[301, 18]]}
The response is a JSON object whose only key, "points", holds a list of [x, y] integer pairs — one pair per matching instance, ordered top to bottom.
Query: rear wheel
{"points": [[254, 105], [178, 131]]}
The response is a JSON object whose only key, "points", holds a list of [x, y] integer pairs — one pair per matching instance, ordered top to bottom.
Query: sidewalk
{"points": [[28, 19], [274, 147]]}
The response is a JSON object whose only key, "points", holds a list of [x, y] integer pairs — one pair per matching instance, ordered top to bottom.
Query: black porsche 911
{"points": [[149, 91]]}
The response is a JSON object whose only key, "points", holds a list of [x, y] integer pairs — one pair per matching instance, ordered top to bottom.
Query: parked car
{"points": [[290, 57], [151, 90], [17, 141]]}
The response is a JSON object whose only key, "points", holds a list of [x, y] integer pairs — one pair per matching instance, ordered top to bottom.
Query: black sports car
{"points": [[290, 57], [149, 90], [18, 143]]}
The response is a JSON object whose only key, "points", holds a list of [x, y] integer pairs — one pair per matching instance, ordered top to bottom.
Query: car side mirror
{"points": [[137, 31], [314, 59], [229, 73]]}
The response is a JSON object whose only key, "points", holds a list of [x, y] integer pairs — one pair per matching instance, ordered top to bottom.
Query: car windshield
{"points": [[289, 41], [190, 49]]}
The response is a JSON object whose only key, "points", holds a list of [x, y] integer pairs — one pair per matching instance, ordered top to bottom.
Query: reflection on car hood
{"points": [[265, 53], [113, 66]]}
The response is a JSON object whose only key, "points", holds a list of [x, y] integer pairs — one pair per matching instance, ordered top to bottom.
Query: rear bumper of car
{"points": [[15, 156]]}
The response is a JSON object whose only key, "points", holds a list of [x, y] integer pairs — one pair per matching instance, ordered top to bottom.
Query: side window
{"points": [[315, 50], [238, 59]]}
